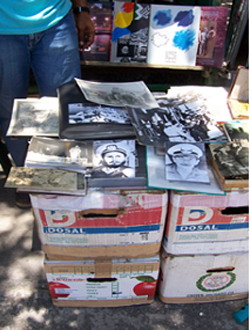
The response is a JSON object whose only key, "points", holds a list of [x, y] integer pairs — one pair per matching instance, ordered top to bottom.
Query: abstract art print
{"points": [[130, 32], [173, 35]]}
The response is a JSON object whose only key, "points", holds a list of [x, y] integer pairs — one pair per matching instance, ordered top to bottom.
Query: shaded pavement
{"points": [[25, 302]]}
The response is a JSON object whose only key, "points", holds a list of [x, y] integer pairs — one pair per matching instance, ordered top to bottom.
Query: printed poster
{"points": [[101, 16], [130, 32], [212, 34], [173, 35]]}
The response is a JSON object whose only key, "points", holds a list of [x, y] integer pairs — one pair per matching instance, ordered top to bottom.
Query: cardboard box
{"points": [[102, 224], [206, 224], [203, 278], [107, 283]]}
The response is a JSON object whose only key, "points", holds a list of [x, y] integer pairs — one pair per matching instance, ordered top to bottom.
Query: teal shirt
{"points": [[31, 16]]}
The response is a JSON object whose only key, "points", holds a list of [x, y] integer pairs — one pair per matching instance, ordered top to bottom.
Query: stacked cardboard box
{"points": [[102, 249], [205, 254], [102, 283]]}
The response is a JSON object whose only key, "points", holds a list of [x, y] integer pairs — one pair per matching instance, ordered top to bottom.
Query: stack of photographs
{"points": [[183, 117], [122, 136], [104, 163]]}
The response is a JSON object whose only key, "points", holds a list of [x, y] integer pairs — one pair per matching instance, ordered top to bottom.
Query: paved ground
{"points": [[25, 302]]}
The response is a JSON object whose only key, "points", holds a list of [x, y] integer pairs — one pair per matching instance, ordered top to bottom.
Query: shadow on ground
{"points": [[25, 302]]}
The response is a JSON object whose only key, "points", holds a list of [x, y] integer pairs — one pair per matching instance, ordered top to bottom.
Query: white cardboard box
{"points": [[114, 224], [206, 224], [203, 278], [106, 283]]}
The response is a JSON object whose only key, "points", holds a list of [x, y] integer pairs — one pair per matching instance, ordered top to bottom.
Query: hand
{"points": [[85, 29]]}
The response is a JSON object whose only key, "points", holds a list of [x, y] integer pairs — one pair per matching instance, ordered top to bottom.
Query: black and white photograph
{"points": [[131, 94], [197, 109], [80, 113], [33, 116], [191, 116], [186, 119], [157, 126], [237, 130], [47, 152], [114, 159], [231, 159], [186, 162], [156, 169], [42, 179]]}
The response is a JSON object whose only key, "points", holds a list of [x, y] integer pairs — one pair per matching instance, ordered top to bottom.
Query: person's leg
{"points": [[55, 56], [14, 81]]}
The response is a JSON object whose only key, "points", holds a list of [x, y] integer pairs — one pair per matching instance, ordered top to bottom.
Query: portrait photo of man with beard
{"points": [[114, 160]]}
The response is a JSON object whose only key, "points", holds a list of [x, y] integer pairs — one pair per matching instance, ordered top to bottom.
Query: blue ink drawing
{"points": [[162, 18], [184, 18], [119, 32], [184, 39]]}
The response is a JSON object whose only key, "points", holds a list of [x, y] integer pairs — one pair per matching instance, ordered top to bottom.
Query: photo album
{"points": [[88, 110]]}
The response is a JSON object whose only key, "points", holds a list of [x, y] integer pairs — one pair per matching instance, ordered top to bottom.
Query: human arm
{"points": [[84, 25]]}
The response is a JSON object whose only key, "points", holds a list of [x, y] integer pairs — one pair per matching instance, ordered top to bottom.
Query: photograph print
{"points": [[122, 94], [190, 112], [80, 113], [33, 116], [154, 127], [237, 130], [59, 153], [114, 159], [231, 159], [186, 162], [42, 179]]}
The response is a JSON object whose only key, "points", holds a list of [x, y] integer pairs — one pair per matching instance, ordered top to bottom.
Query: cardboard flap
{"points": [[239, 89], [103, 268]]}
